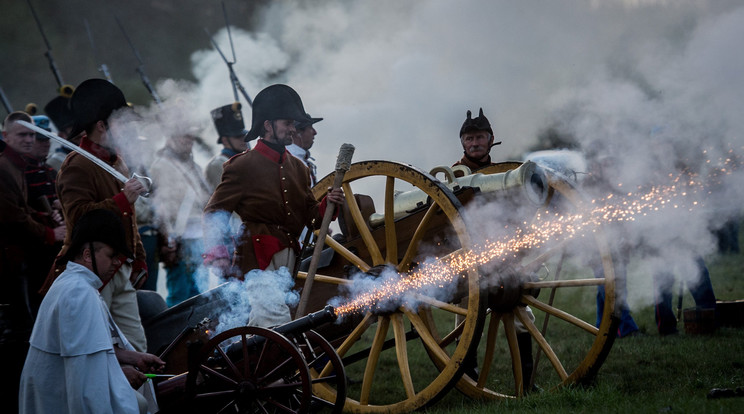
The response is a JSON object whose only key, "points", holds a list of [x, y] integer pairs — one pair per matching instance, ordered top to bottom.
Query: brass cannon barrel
{"points": [[529, 180]]}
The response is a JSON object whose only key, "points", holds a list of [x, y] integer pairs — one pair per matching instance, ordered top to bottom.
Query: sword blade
{"points": [[67, 144]]}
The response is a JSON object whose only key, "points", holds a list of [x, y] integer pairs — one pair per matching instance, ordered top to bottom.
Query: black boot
{"points": [[524, 341]]}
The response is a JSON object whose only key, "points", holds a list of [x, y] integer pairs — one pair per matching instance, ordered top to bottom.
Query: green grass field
{"points": [[649, 373]]}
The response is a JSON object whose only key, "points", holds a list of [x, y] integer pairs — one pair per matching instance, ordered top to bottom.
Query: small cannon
{"points": [[250, 369]]}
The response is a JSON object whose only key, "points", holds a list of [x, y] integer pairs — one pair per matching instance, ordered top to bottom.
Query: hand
{"points": [[132, 189], [335, 196], [57, 217], [59, 233], [169, 255], [141, 360], [135, 377]]}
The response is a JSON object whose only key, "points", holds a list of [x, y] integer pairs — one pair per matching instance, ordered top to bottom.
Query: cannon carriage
{"points": [[457, 267]]}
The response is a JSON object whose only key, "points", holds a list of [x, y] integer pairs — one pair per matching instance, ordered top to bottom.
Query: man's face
{"points": [[281, 131], [305, 137], [20, 138], [236, 143], [182, 144], [476, 144], [41, 147], [107, 261]]}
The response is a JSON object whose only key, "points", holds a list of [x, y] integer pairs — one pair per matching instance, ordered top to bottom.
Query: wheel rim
{"points": [[388, 350], [556, 364], [264, 372]]}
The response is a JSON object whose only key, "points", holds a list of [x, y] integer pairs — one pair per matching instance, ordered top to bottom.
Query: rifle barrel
{"points": [[48, 53]]}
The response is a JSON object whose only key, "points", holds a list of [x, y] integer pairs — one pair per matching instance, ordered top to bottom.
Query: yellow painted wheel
{"points": [[558, 282], [377, 346]]}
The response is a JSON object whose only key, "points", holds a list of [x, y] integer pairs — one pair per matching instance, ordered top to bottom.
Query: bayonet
{"points": [[141, 67], [103, 68], [236, 85], [64, 89], [6, 102], [146, 181]]}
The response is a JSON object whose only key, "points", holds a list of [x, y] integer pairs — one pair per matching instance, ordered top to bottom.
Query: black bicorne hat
{"points": [[94, 100], [275, 102], [58, 110], [228, 120], [306, 122], [476, 124], [98, 225]]}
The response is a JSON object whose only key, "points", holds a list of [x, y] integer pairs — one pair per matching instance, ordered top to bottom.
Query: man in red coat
{"points": [[269, 189]]}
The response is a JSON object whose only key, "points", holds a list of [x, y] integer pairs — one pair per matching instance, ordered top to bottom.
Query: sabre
{"points": [[146, 181]]}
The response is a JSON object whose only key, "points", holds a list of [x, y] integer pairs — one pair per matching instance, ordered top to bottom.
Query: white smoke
{"points": [[654, 84]]}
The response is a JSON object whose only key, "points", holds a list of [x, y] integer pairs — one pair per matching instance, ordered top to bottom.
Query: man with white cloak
{"points": [[78, 360]]}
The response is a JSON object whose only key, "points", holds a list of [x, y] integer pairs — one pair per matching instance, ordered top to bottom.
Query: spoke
{"points": [[361, 223], [418, 235], [391, 240], [347, 254], [543, 257], [331, 280], [595, 281], [529, 300], [441, 305], [383, 323], [493, 328], [452, 336], [511, 339], [349, 341], [431, 344], [244, 349], [547, 349], [538, 352], [402, 353], [229, 362], [217, 375]]}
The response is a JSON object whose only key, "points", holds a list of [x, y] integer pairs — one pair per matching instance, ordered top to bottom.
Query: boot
{"points": [[524, 341]]}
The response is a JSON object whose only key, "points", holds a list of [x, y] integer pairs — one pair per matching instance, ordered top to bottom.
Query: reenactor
{"points": [[58, 110], [228, 120], [302, 141]]}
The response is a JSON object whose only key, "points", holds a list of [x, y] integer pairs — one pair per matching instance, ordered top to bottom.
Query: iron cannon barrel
{"points": [[295, 327]]}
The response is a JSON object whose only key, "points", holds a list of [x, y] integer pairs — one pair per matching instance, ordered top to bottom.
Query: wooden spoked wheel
{"points": [[558, 280], [378, 342], [320, 354], [249, 370]]}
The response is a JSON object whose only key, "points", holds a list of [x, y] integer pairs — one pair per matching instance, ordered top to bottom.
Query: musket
{"points": [[141, 67], [103, 68], [236, 85], [64, 89], [6, 102], [146, 181]]}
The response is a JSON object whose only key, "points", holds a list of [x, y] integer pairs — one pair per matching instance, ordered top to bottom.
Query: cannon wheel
{"points": [[567, 349], [319, 353], [375, 358], [267, 377]]}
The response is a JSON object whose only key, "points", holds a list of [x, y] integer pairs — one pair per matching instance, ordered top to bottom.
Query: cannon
{"points": [[470, 336], [250, 369]]}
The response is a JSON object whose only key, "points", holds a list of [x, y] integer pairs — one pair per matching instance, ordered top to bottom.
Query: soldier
{"points": [[58, 110], [228, 120], [476, 137], [302, 141], [83, 186], [270, 190], [179, 203], [21, 237]]}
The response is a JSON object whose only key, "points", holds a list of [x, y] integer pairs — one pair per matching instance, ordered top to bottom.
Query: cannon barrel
{"points": [[530, 181], [295, 327]]}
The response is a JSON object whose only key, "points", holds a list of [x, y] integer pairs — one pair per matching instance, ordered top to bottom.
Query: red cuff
{"points": [[121, 201], [324, 205], [48, 236], [216, 252]]}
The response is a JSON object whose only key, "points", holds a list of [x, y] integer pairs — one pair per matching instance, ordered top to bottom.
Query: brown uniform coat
{"points": [[271, 194]]}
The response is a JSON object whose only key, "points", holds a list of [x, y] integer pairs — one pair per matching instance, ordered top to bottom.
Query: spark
{"points": [[548, 226]]}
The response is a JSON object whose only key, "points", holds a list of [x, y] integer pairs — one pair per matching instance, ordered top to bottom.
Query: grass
{"points": [[648, 373]]}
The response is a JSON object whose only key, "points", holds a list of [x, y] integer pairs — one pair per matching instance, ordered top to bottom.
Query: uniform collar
{"points": [[266, 150], [99, 151]]}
